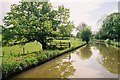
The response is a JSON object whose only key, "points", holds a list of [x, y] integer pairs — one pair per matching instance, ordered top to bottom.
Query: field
{"points": [[74, 41], [34, 47], [22, 49]]}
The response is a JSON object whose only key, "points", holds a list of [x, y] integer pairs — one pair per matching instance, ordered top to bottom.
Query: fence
{"points": [[60, 45]]}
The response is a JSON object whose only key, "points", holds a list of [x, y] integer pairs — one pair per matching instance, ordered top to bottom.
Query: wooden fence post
{"points": [[60, 44], [69, 44], [23, 50], [10, 52], [3, 53]]}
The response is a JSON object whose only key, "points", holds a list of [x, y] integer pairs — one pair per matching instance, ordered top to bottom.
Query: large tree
{"points": [[30, 21], [110, 27]]}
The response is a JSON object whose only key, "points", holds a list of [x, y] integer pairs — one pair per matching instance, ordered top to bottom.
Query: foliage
{"points": [[30, 21], [81, 26], [110, 27], [65, 30], [85, 34], [112, 42], [14, 65]]}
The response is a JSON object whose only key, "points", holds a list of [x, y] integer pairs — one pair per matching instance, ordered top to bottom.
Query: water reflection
{"points": [[85, 52], [109, 57], [90, 61], [57, 68]]}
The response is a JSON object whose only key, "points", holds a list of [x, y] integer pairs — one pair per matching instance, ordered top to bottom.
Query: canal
{"points": [[89, 61]]}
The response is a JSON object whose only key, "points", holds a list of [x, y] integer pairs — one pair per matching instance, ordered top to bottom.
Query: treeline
{"points": [[110, 28]]}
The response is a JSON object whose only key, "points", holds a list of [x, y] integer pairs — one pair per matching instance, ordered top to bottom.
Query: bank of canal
{"points": [[89, 61]]}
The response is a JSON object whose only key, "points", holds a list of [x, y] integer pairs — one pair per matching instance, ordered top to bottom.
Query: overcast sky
{"points": [[88, 11]]}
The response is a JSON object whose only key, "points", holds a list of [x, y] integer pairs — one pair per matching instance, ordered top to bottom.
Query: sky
{"points": [[87, 11]]}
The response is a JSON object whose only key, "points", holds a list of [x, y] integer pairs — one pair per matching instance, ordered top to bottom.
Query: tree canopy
{"points": [[30, 21], [110, 27], [85, 33]]}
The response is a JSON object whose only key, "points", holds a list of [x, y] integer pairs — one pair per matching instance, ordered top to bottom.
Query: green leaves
{"points": [[29, 21], [111, 27], [85, 34], [11, 66]]}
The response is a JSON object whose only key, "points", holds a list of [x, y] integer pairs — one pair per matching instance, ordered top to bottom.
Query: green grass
{"points": [[0, 37], [74, 41], [112, 42], [115, 43], [34, 47], [18, 49], [0, 62]]}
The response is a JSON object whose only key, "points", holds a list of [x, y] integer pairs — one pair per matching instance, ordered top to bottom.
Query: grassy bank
{"points": [[111, 42], [114, 43], [16, 62]]}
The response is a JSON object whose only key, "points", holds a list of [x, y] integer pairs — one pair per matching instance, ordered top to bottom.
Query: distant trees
{"points": [[30, 21], [80, 26], [110, 27], [84, 33]]}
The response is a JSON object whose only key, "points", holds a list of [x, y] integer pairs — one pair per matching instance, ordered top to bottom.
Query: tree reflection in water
{"points": [[85, 52], [109, 57], [75, 63], [59, 68]]}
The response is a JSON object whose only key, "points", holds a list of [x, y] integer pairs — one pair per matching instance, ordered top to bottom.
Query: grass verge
{"points": [[114, 43]]}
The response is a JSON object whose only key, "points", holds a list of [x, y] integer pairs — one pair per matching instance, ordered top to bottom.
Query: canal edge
{"points": [[8, 76]]}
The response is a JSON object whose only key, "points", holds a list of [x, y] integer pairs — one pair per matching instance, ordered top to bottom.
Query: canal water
{"points": [[89, 61]]}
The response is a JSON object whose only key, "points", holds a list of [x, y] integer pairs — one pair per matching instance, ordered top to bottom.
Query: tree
{"points": [[30, 21], [65, 26], [80, 26], [110, 27], [65, 30], [85, 34], [101, 34]]}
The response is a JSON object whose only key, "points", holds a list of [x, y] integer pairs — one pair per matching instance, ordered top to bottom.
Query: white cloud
{"points": [[84, 1], [79, 10], [82, 10]]}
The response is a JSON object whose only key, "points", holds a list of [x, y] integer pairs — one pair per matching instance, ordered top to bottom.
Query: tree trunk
{"points": [[44, 45]]}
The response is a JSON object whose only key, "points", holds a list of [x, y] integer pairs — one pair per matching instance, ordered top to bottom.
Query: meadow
{"points": [[22, 49]]}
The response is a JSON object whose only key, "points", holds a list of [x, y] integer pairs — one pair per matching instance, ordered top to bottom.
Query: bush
{"points": [[11, 67]]}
